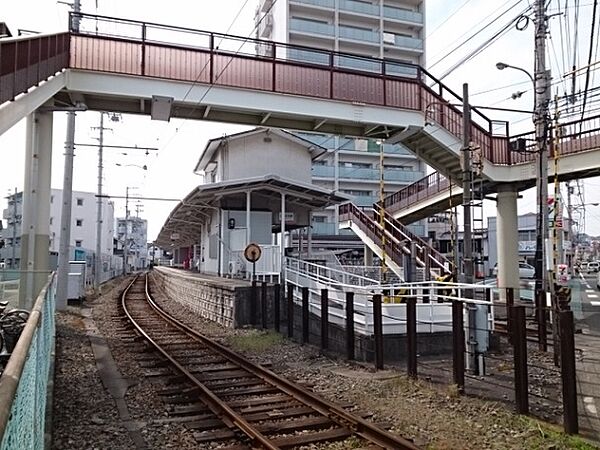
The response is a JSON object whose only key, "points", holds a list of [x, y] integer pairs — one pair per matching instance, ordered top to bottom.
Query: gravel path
{"points": [[85, 415]]}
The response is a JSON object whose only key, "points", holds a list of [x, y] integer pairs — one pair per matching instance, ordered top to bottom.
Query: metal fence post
{"points": [[253, 300], [510, 302], [540, 302], [263, 305], [276, 307], [290, 310], [324, 319], [350, 325], [305, 331], [378, 331], [411, 336], [519, 341], [458, 345], [568, 372]]}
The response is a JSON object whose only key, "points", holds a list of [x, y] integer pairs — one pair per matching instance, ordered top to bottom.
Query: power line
{"points": [[257, 24], [483, 46], [590, 53], [447, 54]]}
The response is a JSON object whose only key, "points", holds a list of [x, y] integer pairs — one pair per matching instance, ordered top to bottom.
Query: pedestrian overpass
{"points": [[127, 66]]}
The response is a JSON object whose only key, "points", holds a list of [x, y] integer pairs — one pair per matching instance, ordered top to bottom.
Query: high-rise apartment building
{"points": [[387, 29]]}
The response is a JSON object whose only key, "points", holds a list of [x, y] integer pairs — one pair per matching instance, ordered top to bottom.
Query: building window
{"points": [[52, 199], [79, 202], [319, 219], [51, 220], [79, 222], [78, 243]]}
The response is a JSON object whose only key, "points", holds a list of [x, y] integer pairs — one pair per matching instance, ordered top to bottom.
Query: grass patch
{"points": [[255, 341], [544, 434]]}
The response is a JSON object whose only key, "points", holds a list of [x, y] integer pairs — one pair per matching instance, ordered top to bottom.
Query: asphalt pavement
{"points": [[585, 303]]}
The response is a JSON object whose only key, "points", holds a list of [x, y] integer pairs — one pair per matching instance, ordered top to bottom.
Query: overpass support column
{"points": [[35, 229], [508, 240], [368, 256]]}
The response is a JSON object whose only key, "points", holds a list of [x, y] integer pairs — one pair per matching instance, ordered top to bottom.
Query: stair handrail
{"points": [[373, 230], [436, 257]]}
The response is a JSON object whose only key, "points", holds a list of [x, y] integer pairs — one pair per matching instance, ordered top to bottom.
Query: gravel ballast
{"points": [[434, 416]]}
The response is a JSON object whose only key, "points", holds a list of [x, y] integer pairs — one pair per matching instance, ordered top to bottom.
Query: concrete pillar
{"points": [[35, 240], [508, 240], [368, 256]]}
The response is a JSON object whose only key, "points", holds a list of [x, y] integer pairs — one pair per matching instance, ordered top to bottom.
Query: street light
{"points": [[502, 66], [144, 167]]}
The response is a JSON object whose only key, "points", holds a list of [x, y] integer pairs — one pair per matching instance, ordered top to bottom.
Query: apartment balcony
{"points": [[319, 3], [359, 7], [403, 15], [311, 27], [357, 34], [408, 43], [309, 56], [367, 174]]}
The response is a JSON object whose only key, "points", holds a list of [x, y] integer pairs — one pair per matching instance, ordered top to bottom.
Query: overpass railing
{"points": [[125, 46], [26, 61], [423, 189], [24, 382]]}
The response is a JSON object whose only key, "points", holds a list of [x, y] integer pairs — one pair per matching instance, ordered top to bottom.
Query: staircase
{"points": [[398, 241]]}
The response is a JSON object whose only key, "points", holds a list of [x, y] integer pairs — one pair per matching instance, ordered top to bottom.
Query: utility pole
{"points": [[542, 101], [467, 175], [67, 197], [382, 213], [14, 232], [125, 243], [570, 259], [98, 260]]}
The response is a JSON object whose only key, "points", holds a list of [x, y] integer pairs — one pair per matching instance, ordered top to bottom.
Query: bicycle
{"points": [[11, 326]]}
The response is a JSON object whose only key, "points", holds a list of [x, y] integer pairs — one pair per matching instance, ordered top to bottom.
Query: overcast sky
{"points": [[180, 142]]}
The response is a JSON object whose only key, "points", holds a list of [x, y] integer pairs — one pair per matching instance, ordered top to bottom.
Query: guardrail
{"points": [[24, 382]]}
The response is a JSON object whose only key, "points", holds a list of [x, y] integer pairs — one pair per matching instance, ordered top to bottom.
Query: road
{"points": [[585, 304]]}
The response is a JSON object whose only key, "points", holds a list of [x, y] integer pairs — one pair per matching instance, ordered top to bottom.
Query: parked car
{"points": [[593, 266], [525, 270]]}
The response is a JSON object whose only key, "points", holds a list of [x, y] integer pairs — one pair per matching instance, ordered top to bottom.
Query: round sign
{"points": [[252, 252]]}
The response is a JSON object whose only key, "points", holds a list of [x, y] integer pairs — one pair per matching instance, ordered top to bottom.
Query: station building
{"points": [[257, 189]]}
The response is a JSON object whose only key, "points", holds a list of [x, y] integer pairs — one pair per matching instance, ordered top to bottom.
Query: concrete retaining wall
{"points": [[221, 300], [228, 302]]}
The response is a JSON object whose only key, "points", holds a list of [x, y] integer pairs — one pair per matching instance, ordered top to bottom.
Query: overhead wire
{"points": [[482, 29], [505, 29], [590, 54], [195, 106]]}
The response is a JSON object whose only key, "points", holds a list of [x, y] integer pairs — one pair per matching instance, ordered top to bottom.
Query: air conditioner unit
{"points": [[389, 38], [234, 268]]}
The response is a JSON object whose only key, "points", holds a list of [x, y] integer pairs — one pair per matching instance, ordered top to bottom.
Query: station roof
{"points": [[213, 144], [187, 217]]}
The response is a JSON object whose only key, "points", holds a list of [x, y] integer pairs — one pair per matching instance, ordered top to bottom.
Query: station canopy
{"points": [[183, 226]]}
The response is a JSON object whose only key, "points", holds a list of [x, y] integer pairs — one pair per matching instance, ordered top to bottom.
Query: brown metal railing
{"points": [[153, 50], [26, 61], [420, 190], [349, 211], [399, 238], [425, 254]]}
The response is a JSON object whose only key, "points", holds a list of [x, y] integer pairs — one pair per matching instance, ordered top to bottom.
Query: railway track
{"points": [[245, 405]]}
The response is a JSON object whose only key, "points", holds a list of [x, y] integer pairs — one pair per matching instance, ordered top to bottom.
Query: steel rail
{"points": [[218, 407], [338, 415]]}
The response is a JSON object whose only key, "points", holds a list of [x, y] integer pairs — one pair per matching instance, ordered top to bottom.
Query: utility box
{"points": [[76, 281]]}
